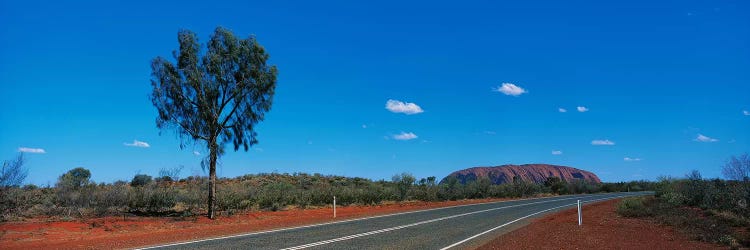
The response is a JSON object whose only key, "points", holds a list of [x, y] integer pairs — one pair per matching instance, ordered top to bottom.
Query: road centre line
{"points": [[524, 217], [328, 223], [414, 224]]}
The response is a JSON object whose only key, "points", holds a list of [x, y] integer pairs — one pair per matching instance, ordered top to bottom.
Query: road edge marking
{"points": [[524, 217], [335, 222], [348, 237]]}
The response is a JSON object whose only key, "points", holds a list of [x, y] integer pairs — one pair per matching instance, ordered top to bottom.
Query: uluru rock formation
{"points": [[537, 173]]}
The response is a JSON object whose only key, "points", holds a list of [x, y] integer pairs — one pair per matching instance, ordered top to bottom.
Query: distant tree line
{"points": [[75, 195]]}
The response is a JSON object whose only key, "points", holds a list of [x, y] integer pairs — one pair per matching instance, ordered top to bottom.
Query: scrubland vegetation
{"points": [[76, 196], [711, 210]]}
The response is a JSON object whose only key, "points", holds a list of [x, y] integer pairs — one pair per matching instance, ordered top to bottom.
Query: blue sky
{"points": [[652, 77]]}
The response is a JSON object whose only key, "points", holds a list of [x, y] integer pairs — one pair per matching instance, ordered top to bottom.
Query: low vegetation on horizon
{"points": [[76, 196]]}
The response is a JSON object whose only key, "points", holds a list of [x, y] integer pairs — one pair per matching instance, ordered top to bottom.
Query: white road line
{"points": [[516, 220], [328, 223], [414, 224]]}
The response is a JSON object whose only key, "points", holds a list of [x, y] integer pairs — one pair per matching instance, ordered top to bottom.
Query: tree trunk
{"points": [[213, 151]]}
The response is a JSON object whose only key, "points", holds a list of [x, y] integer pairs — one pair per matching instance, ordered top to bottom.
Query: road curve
{"points": [[457, 227]]}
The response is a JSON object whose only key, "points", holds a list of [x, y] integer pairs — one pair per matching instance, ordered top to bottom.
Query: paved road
{"points": [[457, 227]]}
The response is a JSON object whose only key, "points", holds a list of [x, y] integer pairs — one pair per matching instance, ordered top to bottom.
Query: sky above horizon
{"points": [[629, 90]]}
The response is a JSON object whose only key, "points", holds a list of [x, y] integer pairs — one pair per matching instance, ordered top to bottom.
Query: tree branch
{"points": [[190, 131]]}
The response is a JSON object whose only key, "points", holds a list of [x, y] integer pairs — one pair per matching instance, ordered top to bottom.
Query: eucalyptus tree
{"points": [[214, 97]]}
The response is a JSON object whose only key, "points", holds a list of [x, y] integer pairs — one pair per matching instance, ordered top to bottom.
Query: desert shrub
{"points": [[74, 179], [140, 180], [403, 183], [556, 185], [451, 189], [478, 189], [525, 189], [427, 190], [74, 191], [500, 191], [193, 194], [376, 194], [714, 194], [75, 195], [230, 196], [276, 196], [673, 198], [110, 199], [152, 199], [16, 203], [633, 207], [732, 219], [694, 223]]}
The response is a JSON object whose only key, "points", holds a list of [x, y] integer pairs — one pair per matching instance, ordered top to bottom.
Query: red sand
{"points": [[602, 229], [119, 232]]}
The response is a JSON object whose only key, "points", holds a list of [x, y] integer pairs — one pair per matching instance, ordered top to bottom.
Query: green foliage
{"points": [[216, 97], [74, 179], [140, 180], [403, 183], [556, 185], [74, 190], [716, 194], [75, 196], [675, 199], [16, 203], [724, 204], [633, 207], [704, 225]]}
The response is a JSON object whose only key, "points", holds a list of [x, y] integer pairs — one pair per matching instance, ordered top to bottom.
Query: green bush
{"points": [[140, 180], [675, 199], [633, 207]]}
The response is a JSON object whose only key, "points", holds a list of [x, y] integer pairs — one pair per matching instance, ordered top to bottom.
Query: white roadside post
{"points": [[334, 206], [579, 213]]}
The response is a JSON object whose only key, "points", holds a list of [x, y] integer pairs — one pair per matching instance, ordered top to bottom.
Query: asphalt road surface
{"points": [[458, 227]]}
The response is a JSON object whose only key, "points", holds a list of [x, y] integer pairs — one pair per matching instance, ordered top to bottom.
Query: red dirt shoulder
{"points": [[602, 228], [119, 232]]}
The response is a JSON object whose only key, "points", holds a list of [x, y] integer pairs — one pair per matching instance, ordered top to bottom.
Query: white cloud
{"points": [[510, 89], [408, 108], [582, 109], [562, 110], [745, 112], [405, 136], [703, 138], [137, 143], [602, 143], [32, 150], [556, 152], [196, 153], [631, 159]]}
